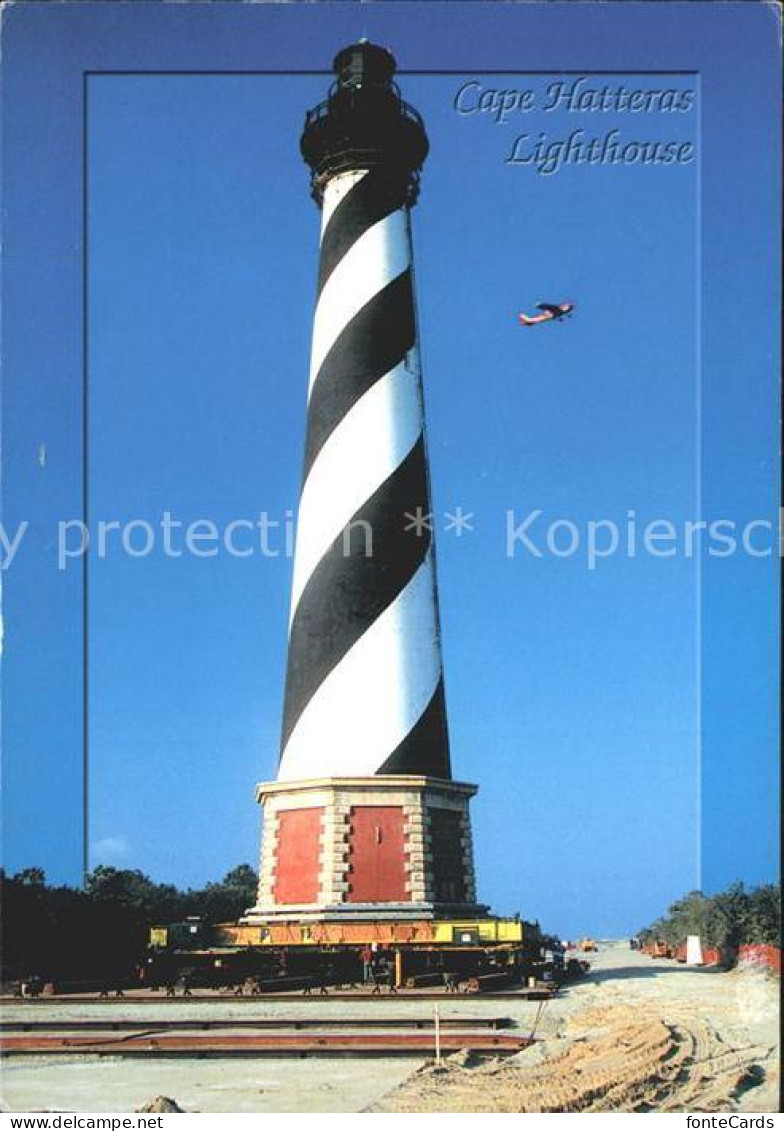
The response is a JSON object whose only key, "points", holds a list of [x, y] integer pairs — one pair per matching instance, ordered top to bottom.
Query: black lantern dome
{"points": [[364, 123]]}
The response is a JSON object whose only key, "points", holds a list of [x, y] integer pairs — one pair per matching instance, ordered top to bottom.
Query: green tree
{"points": [[31, 877], [243, 877], [227, 900], [765, 915], [729, 918], [100, 934]]}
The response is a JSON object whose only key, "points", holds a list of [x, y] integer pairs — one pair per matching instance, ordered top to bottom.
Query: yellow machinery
{"points": [[285, 951]]}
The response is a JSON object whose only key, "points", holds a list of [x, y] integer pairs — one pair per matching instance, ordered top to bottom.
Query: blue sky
{"points": [[605, 712]]}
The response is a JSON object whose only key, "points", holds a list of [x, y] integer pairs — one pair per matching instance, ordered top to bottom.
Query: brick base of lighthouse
{"points": [[384, 847]]}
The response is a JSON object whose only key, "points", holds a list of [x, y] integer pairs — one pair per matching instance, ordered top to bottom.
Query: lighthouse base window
{"points": [[446, 847]]}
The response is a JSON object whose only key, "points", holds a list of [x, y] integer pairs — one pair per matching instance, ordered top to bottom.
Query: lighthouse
{"points": [[364, 820]]}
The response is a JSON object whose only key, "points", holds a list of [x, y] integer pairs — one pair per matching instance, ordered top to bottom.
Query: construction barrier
{"points": [[752, 954], [759, 954], [711, 956]]}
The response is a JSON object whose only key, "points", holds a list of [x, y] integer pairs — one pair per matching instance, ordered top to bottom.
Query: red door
{"points": [[376, 855], [297, 856]]}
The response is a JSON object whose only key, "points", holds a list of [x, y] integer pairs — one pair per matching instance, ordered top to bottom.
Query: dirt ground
{"points": [[636, 1035]]}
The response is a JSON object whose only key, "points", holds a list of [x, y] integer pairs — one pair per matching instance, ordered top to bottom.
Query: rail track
{"points": [[521, 994], [130, 1025], [383, 1035], [160, 1042]]}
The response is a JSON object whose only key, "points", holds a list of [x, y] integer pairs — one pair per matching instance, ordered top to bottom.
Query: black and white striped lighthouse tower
{"points": [[364, 818]]}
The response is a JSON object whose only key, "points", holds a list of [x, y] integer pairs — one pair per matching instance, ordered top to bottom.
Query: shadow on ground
{"points": [[621, 972]]}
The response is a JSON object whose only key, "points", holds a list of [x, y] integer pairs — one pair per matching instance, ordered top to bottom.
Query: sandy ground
{"points": [[635, 1035], [237, 1085]]}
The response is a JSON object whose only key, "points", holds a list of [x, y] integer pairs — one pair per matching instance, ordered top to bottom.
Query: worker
{"points": [[366, 954], [390, 968], [328, 977], [450, 982], [31, 987]]}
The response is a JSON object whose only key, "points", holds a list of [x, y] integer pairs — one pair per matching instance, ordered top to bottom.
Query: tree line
{"points": [[728, 920], [99, 933]]}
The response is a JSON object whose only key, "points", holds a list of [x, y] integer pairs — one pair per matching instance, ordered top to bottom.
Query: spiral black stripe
{"points": [[374, 197], [374, 342], [347, 592], [425, 749]]}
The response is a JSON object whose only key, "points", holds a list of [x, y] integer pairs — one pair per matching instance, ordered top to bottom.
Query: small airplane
{"points": [[551, 312]]}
